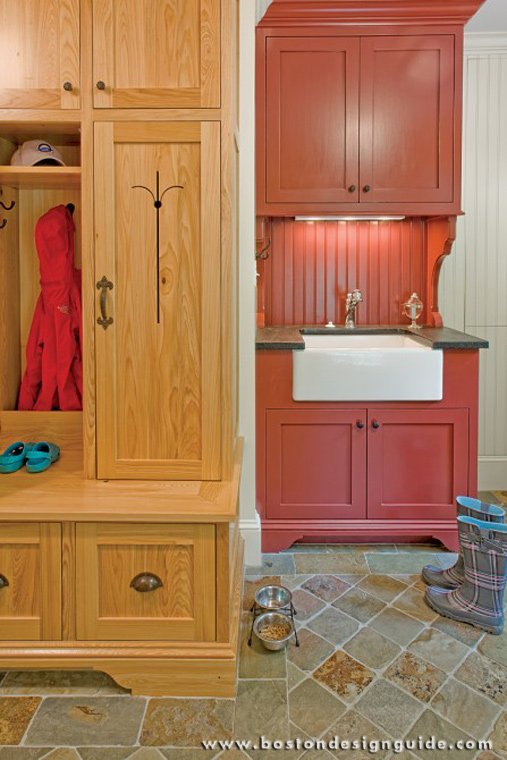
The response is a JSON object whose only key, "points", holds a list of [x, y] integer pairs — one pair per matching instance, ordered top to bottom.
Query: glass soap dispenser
{"points": [[413, 310]]}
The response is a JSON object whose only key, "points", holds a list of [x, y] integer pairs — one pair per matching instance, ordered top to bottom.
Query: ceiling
{"points": [[492, 17]]}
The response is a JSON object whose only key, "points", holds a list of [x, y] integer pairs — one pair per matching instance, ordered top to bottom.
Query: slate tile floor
{"points": [[374, 661]]}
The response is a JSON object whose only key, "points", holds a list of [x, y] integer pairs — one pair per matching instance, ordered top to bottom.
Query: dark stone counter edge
{"points": [[291, 338]]}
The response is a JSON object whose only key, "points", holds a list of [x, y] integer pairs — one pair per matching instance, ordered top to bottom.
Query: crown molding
{"points": [[310, 12], [485, 42]]}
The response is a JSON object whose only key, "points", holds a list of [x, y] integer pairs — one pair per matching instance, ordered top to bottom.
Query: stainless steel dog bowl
{"points": [[273, 597], [274, 618]]}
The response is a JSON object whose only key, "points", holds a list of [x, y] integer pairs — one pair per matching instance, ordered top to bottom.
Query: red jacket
{"points": [[54, 372]]}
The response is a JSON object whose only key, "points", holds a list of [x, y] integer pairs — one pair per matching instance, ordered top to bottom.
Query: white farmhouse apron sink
{"points": [[366, 368]]}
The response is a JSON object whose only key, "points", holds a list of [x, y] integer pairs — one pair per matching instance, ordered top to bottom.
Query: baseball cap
{"points": [[35, 152]]}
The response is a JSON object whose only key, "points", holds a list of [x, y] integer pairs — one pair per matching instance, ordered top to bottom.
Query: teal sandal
{"points": [[15, 456], [42, 456]]}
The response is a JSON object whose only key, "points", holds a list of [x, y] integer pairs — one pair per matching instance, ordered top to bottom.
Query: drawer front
{"points": [[30, 582], [145, 582]]}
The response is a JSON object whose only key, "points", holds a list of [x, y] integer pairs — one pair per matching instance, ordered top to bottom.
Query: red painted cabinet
{"points": [[364, 124], [417, 462], [316, 463]]}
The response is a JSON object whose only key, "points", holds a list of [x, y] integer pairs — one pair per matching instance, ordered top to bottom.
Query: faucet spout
{"points": [[351, 303]]}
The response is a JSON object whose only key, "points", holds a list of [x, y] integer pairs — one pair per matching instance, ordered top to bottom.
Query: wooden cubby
{"points": [[34, 190]]}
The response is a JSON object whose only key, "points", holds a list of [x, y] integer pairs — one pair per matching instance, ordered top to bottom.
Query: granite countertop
{"points": [[290, 337]]}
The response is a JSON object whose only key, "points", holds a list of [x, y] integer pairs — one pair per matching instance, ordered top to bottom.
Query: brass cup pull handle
{"points": [[104, 285], [3, 581], [145, 582]]}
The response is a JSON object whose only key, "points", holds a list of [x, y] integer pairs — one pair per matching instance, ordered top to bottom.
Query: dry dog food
{"points": [[273, 632]]}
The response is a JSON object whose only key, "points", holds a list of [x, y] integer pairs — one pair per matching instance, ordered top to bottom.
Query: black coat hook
{"points": [[9, 207], [3, 223]]}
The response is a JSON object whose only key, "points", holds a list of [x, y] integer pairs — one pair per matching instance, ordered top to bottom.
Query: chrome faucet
{"points": [[351, 304]]}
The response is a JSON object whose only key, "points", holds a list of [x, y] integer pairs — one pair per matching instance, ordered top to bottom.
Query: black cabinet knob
{"points": [[101, 85], [67, 86], [366, 188], [352, 189], [360, 424], [375, 424]]}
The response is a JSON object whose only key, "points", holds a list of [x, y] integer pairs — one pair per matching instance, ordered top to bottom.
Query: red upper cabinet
{"points": [[312, 120], [359, 123]]}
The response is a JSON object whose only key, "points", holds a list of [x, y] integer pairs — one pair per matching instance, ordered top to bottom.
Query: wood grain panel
{"points": [[40, 51], [157, 53], [313, 266], [10, 355], [110, 556], [30, 605]]}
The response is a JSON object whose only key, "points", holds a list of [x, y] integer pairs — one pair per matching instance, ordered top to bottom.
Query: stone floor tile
{"points": [[488, 496], [306, 548], [361, 548], [426, 548], [333, 563], [401, 563], [279, 564], [351, 578], [293, 581], [252, 584], [420, 585], [382, 586], [326, 587], [412, 602], [359, 604], [307, 605], [333, 625], [396, 626], [467, 634], [494, 647], [372, 649], [439, 649], [312, 650], [256, 661], [294, 675], [344, 675], [485, 676], [421, 679], [73, 682], [389, 707], [313, 708], [465, 708], [262, 710], [15, 715], [75, 721], [187, 722], [429, 725], [351, 727], [499, 735], [299, 737], [23, 753], [65, 753], [107, 753], [147, 754], [198, 754], [233, 754], [318, 754], [488, 755]]}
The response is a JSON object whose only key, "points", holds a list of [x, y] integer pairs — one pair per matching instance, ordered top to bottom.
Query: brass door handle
{"points": [[104, 285], [3, 581], [144, 582]]}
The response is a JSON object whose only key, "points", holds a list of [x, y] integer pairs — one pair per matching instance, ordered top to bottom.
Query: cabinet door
{"points": [[156, 53], [40, 54], [407, 119], [312, 120], [158, 361], [417, 463], [316, 464], [30, 582], [145, 582]]}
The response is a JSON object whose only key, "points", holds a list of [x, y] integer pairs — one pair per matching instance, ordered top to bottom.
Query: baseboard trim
{"points": [[492, 473], [251, 532]]}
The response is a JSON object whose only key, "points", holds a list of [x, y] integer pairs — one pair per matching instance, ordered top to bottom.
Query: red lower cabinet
{"points": [[417, 462], [316, 463]]}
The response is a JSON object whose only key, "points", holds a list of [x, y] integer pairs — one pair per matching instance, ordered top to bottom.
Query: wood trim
{"points": [[70, 52], [210, 53], [133, 132], [440, 237], [223, 570], [51, 581], [68, 581]]}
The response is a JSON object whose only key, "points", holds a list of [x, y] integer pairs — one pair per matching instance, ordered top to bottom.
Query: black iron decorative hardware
{"points": [[157, 203], [11, 205], [265, 253], [104, 285], [3, 581], [145, 582]]}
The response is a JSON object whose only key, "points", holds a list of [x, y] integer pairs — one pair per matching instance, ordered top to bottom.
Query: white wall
{"points": [[473, 288], [249, 519]]}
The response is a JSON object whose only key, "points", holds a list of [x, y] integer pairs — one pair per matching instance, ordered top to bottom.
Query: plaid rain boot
{"points": [[455, 575], [479, 600]]}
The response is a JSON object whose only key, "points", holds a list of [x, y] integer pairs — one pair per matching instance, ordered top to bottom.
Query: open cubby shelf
{"points": [[41, 177]]}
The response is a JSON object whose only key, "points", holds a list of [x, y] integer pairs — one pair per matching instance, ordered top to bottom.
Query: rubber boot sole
{"points": [[462, 617]]}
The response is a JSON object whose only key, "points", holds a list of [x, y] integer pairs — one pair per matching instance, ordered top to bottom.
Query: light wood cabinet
{"points": [[156, 53], [40, 54], [158, 362], [30, 582], [145, 582]]}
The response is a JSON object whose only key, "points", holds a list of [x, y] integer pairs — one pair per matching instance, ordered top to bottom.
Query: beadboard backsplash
{"points": [[313, 265]]}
